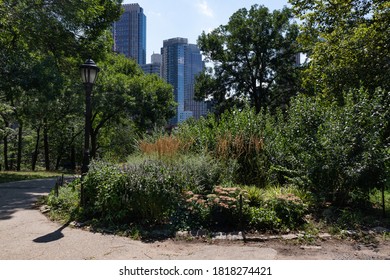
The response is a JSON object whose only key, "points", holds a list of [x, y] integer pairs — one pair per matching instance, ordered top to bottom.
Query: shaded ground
{"points": [[25, 233]]}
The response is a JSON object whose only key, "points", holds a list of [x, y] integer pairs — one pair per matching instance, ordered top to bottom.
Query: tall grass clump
{"points": [[236, 138], [165, 146]]}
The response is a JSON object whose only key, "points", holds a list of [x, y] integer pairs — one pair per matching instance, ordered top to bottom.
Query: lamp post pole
{"points": [[89, 72], [87, 128]]}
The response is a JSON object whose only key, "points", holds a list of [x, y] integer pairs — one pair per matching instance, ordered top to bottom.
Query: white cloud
{"points": [[204, 8]]}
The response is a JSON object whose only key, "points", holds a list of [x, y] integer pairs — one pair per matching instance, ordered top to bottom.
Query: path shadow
{"points": [[22, 195], [53, 236]]}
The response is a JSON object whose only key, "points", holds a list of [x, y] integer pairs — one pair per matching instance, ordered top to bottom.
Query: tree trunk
{"points": [[20, 146], [46, 146], [5, 148], [35, 154], [59, 157], [73, 157], [383, 201]]}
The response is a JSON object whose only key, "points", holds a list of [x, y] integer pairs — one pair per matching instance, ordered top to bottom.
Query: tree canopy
{"points": [[348, 42], [42, 44], [254, 58]]}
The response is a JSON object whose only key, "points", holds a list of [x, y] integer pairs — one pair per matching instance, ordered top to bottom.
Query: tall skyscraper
{"points": [[129, 33], [181, 62], [155, 66], [193, 66]]}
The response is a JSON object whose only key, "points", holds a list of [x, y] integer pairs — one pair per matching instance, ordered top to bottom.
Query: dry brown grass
{"points": [[165, 146], [229, 146]]}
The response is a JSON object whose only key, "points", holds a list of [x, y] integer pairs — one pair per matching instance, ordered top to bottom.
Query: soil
{"points": [[371, 247], [333, 249]]}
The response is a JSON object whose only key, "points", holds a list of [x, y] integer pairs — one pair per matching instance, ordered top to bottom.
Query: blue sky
{"points": [[188, 18]]}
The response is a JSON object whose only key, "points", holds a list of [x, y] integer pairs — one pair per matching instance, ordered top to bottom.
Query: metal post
{"points": [[88, 114]]}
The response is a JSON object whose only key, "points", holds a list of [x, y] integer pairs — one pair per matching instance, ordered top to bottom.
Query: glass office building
{"points": [[129, 33], [181, 62], [155, 66]]}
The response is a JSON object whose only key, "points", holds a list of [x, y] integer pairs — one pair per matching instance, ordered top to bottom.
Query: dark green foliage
{"points": [[254, 59], [338, 152], [146, 193], [66, 204], [232, 208], [279, 208], [217, 210], [261, 218]]}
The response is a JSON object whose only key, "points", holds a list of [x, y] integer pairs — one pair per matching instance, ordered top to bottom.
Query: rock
{"points": [[44, 209], [76, 224], [381, 230], [349, 232], [199, 233], [291, 236], [325, 236], [311, 247]]}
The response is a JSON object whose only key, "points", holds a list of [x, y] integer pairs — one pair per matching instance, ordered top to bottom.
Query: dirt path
{"points": [[26, 234]]}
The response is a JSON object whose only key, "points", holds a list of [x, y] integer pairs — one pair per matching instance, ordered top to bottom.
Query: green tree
{"points": [[34, 33], [347, 42], [254, 59], [123, 91], [154, 103]]}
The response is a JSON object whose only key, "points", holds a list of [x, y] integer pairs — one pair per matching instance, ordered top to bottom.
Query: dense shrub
{"points": [[338, 152], [147, 192], [144, 193], [250, 208], [277, 208], [219, 210]]}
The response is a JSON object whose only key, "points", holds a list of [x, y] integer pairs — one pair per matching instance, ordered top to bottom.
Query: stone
{"points": [[44, 209], [381, 230], [311, 247]]}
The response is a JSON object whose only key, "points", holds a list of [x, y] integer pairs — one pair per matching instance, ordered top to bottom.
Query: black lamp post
{"points": [[89, 72]]}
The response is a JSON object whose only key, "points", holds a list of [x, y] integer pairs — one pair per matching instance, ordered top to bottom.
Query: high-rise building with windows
{"points": [[129, 33], [181, 62], [155, 66]]}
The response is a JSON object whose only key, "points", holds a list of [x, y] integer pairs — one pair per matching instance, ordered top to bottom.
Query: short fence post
{"points": [[56, 186]]}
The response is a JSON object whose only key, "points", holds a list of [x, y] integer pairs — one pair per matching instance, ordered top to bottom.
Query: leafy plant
{"points": [[337, 152], [65, 206], [277, 208], [221, 209]]}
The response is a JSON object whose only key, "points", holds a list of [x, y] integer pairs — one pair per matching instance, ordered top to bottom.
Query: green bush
{"points": [[336, 151], [146, 192], [65, 206], [277, 208], [218, 210], [261, 218]]}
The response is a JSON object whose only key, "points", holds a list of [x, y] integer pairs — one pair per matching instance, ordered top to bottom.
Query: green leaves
{"points": [[347, 43], [253, 56], [338, 152]]}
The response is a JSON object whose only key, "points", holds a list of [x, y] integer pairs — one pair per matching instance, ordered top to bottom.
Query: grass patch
{"points": [[12, 176]]}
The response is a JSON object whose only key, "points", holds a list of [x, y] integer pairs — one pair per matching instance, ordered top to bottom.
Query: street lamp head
{"points": [[89, 71]]}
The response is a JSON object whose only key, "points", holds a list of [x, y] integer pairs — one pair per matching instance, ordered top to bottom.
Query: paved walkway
{"points": [[26, 234]]}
